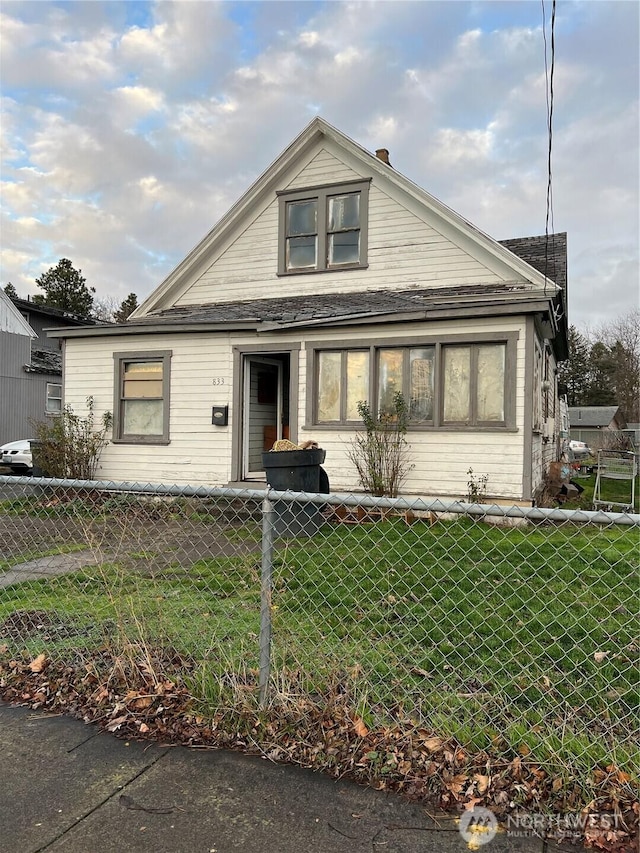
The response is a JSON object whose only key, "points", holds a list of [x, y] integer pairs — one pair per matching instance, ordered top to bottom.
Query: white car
{"points": [[580, 449], [17, 455]]}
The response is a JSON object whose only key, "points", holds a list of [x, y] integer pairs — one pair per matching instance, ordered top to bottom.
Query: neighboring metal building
{"points": [[30, 365]]}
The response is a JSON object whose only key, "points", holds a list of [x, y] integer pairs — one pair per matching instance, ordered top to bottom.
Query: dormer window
{"points": [[323, 228]]}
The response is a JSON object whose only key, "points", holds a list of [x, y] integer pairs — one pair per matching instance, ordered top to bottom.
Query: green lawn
{"points": [[506, 639]]}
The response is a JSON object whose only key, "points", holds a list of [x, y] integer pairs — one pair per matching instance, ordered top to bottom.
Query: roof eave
{"points": [[444, 312], [154, 329]]}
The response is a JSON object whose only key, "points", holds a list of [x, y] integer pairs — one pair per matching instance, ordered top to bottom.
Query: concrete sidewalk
{"points": [[66, 786]]}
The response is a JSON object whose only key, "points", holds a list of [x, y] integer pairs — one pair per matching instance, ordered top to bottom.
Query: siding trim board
{"points": [[155, 329], [527, 455]]}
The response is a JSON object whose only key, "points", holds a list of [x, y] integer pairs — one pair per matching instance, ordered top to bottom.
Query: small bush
{"points": [[70, 446], [476, 487]]}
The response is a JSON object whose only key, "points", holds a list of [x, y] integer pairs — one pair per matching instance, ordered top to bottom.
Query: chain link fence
{"points": [[507, 631]]}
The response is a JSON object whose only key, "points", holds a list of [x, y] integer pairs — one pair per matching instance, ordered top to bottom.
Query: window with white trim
{"points": [[323, 228], [53, 404], [141, 405]]}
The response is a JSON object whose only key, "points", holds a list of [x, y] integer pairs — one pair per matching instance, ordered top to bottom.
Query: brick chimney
{"points": [[383, 154]]}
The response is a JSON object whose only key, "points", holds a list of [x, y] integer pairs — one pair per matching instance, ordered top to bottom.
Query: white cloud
{"points": [[308, 39], [347, 57], [140, 100], [384, 128], [461, 146]]}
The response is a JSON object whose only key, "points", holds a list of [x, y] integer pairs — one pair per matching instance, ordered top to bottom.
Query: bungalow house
{"points": [[335, 279], [30, 365]]}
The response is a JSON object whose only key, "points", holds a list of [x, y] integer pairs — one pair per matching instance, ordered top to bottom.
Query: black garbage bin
{"points": [[36, 460], [296, 471]]}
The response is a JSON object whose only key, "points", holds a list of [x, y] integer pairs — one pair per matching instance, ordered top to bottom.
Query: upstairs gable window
{"points": [[323, 228]]}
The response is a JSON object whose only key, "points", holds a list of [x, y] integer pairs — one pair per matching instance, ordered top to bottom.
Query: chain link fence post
{"points": [[268, 536]]}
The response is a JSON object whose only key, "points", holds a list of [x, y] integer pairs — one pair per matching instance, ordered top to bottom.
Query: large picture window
{"points": [[323, 228], [449, 385], [141, 403]]}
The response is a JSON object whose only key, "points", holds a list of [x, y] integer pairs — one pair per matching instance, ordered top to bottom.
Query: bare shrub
{"points": [[70, 446], [380, 454]]}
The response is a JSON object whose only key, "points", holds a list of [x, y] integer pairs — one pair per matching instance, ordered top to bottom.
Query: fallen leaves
{"points": [[38, 664], [145, 699], [116, 724], [359, 727], [432, 743], [482, 783]]}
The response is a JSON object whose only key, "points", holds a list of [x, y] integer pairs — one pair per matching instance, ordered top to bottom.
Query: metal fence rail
{"points": [[510, 630]]}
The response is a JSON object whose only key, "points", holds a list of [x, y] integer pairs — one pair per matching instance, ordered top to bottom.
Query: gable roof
{"points": [[271, 180], [546, 253], [11, 320], [594, 416]]}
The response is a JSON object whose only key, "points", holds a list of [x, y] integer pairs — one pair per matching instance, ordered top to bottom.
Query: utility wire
{"points": [[548, 73]]}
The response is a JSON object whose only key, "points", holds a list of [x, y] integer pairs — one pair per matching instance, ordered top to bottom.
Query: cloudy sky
{"points": [[129, 128]]}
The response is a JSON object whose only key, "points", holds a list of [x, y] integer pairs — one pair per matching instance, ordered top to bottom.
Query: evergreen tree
{"points": [[66, 288], [10, 290], [127, 307], [575, 373], [601, 390]]}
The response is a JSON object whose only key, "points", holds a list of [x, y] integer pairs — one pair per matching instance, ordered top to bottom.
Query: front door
{"points": [[263, 411]]}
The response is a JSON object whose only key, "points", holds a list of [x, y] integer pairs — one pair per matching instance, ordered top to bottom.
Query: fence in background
{"points": [[511, 630]]}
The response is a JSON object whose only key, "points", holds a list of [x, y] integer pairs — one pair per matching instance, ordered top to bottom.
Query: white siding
{"points": [[315, 172], [404, 250], [11, 320], [201, 453], [441, 459]]}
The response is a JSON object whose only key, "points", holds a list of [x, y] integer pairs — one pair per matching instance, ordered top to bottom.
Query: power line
{"points": [[548, 73]]}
